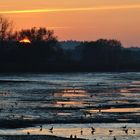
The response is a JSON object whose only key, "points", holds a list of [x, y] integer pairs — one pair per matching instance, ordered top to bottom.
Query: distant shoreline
{"points": [[10, 71]]}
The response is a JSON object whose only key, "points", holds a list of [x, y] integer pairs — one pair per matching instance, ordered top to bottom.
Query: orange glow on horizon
{"points": [[83, 20]]}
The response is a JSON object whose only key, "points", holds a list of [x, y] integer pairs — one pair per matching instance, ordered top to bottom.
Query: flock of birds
{"points": [[41, 128], [125, 129], [93, 130]]}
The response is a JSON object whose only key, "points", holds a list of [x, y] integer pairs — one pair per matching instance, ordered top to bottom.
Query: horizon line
{"points": [[70, 9]]}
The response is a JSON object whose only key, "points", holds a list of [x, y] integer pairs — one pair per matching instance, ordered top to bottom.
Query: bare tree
{"points": [[6, 28], [37, 34]]}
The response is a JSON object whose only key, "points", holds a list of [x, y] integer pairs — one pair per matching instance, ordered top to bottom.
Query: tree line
{"points": [[46, 54]]}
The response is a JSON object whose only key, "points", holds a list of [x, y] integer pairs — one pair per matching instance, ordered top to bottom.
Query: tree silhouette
{"points": [[6, 27], [37, 34], [109, 43], [46, 53]]}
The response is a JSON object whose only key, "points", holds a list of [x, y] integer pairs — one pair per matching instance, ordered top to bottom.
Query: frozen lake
{"points": [[68, 99]]}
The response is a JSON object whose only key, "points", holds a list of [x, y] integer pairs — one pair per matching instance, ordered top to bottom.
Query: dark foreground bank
{"points": [[34, 137]]}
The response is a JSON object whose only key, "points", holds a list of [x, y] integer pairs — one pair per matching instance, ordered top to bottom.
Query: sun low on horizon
{"points": [[78, 20], [25, 40]]}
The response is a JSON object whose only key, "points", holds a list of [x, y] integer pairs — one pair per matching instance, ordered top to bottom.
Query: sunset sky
{"points": [[78, 19]]}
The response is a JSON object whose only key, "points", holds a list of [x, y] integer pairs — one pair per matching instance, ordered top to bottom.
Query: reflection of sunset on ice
{"points": [[72, 93]]}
